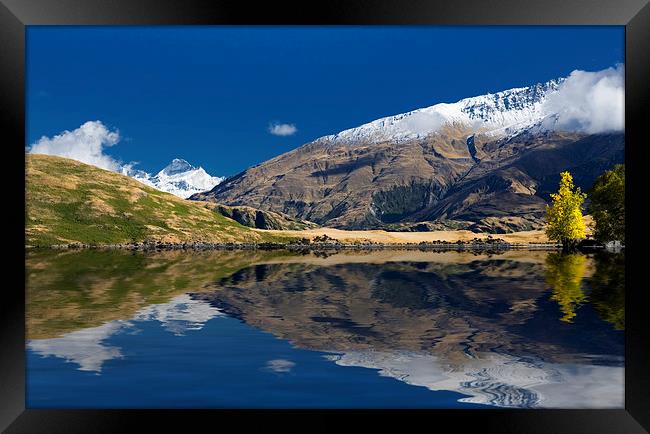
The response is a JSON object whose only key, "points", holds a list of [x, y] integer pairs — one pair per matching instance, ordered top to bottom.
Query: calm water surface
{"points": [[117, 329]]}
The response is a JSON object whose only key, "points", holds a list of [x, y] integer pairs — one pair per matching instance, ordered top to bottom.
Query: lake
{"points": [[279, 329]]}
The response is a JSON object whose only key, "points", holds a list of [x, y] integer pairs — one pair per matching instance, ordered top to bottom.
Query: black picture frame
{"points": [[633, 14]]}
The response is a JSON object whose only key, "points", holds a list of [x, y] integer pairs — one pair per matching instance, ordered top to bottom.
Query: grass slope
{"points": [[68, 201]]}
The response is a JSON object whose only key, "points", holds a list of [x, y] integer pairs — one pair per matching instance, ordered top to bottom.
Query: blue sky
{"points": [[209, 94]]}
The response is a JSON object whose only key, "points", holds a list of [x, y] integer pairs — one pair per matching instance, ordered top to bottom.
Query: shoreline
{"points": [[200, 246]]}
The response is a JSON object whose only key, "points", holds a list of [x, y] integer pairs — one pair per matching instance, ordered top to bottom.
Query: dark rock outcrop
{"points": [[255, 218]]}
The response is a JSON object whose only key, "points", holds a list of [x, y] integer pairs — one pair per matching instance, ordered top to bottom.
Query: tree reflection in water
{"points": [[564, 272], [608, 288]]}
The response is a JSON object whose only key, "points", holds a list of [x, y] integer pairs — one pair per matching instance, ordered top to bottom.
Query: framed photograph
{"points": [[366, 209]]}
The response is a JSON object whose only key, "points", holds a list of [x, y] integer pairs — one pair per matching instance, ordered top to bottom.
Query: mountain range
{"points": [[486, 163], [179, 178]]}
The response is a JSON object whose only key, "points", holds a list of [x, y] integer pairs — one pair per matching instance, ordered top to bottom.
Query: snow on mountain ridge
{"points": [[500, 113], [178, 165], [179, 178]]}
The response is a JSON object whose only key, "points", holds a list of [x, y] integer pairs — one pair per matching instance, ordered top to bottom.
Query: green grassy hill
{"points": [[72, 202]]}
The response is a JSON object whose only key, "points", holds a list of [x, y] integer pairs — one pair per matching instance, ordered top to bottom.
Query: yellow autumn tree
{"points": [[564, 215]]}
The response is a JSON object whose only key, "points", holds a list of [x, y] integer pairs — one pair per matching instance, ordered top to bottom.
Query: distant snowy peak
{"points": [[500, 113], [178, 165], [179, 178], [183, 179]]}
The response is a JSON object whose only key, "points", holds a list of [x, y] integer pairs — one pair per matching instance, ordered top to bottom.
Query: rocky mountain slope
{"points": [[486, 163]]}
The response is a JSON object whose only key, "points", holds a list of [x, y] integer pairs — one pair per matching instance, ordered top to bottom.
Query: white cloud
{"points": [[591, 102], [282, 129], [85, 144], [85, 347], [88, 348], [280, 366]]}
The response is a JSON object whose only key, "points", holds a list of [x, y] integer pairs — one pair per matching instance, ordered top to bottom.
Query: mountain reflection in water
{"points": [[514, 329]]}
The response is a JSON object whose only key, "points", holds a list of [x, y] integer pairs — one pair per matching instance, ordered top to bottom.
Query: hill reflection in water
{"points": [[515, 329]]}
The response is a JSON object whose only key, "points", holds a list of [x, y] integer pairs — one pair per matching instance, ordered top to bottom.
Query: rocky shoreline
{"points": [[318, 244]]}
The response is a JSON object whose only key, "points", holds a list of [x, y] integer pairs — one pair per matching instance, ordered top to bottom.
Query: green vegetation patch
{"points": [[71, 202]]}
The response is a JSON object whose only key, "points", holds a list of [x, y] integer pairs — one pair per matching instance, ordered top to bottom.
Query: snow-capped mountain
{"points": [[583, 103], [502, 113], [474, 163], [179, 178]]}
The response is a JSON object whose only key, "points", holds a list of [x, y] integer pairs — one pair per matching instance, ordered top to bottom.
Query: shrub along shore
{"points": [[326, 243]]}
